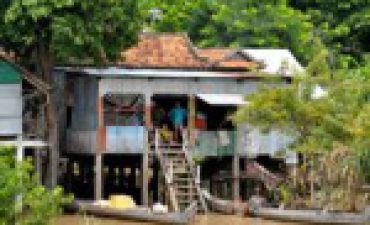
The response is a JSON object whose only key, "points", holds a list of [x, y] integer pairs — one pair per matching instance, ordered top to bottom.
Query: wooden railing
{"points": [[257, 171], [168, 172], [195, 173]]}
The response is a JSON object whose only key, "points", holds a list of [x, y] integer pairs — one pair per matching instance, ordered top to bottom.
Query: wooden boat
{"points": [[224, 206], [141, 214], [311, 216]]}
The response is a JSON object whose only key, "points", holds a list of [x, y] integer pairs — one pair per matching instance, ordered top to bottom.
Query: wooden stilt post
{"points": [[191, 119], [101, 143], [19, 148], [145, 155], [19, 157], [38, 164], [236, 167], [98, 176], [236, 181], [156, 184], [160, 186]]}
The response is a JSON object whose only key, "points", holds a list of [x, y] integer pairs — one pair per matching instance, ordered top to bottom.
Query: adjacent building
{"points": [[22, 116]]}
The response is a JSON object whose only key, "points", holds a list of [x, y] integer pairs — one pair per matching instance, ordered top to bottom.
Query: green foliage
{"points": [[171, 15], [238, 23], [258, 25], [343, 25], [72, 29], [335, 125], [18, 181]]}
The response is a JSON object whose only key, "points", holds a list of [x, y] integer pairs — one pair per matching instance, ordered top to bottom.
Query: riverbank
{"points": [[199, 220]]}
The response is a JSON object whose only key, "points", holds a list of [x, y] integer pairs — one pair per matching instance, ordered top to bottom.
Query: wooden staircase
{"points": [[258, 171], [180, 175]]}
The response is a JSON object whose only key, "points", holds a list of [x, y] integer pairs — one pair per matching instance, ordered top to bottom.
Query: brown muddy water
{"points": [[199, 220]]}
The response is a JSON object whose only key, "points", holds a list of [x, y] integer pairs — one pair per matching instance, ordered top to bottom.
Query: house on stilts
{"points": [[23, 99], [117, 134]]}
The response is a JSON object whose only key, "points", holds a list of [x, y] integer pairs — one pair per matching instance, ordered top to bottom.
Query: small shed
{"points": [[22, 95], [10, 100]]}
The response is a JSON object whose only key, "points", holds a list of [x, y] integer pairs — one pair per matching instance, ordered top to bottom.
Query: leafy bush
{"points": [[23, 200]]}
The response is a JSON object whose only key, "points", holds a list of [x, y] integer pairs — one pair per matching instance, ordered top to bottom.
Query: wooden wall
{"points": [[185, 86], [10, 109], [81, 134], [81, 137]]}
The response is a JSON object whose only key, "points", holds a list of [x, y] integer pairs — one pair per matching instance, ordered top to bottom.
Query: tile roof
{"points": [[174, 50], [214, 53], [228, 58]]}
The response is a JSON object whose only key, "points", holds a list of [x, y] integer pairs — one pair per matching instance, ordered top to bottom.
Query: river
{"points": [[199, 220]]}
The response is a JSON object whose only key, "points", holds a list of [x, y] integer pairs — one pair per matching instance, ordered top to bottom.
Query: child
{"points": [[165, 134]]}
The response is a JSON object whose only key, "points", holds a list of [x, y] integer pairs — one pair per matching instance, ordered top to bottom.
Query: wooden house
{"points": [[109, 116]]}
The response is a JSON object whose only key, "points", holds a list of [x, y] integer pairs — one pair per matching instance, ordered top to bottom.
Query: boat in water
{"points": [[227, 207], [142, 214], [312, 216]]}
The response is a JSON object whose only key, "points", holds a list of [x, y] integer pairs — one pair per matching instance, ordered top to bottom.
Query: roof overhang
{"points": [[119, 72], [32, 79], [223, 99], [25, 143]]}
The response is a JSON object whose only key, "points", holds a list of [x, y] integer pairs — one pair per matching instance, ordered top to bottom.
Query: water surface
{"points": [[199, 220]]}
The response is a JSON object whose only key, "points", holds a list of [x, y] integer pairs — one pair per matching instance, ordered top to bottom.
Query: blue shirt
{"points": [[178, 115]]}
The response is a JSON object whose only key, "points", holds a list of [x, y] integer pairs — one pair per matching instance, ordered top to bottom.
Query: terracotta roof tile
{"points": [[168, 50], [174, 50], [214, 54], [228, 58], [237, 63]]}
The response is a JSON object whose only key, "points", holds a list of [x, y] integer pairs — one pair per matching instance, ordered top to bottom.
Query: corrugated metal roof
{"points": [[277, 61], [119, 72], [8, 74], [9, 78], [222, 99]]}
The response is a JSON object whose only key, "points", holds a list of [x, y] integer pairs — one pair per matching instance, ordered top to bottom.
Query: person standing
{"points": [[158, 115], [177, 117]]}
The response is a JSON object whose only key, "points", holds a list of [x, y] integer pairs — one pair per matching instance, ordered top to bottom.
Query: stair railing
{"points": [[193, 171], [168, 172]]}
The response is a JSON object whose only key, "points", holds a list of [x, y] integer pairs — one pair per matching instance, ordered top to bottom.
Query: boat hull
{"points": [[225, 206], [137, 214], [311, 216]]}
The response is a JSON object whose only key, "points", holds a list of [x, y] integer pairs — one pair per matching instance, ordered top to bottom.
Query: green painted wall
{"points": [[8, 74]]}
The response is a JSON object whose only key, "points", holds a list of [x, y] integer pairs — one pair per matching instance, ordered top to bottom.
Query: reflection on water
{"points": [[200, 220]]}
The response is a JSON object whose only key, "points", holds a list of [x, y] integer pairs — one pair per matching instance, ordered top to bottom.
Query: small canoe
{"points": [[224, 206], [141, 214], [311, 216]]}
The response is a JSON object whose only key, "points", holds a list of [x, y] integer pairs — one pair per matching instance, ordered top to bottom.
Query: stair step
{"points": [[172, 152], [175, 161], [177, 167], [174, 168], [180, 173], [182, 179], [184, 186], [186, 194], [184, 201]]}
